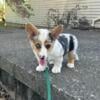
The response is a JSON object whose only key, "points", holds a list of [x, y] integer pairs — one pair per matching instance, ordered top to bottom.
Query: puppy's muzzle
{"points": [[42, 60]]}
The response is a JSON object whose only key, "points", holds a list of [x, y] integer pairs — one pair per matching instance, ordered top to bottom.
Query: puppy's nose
{"points": [[42, 57]]}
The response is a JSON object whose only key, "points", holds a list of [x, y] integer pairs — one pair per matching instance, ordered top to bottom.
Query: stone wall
{"points": [[16, 89]]}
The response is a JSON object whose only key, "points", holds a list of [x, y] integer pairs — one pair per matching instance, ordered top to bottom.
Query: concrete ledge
{"points": [[33, 81], [81, 83], [16, 89]]}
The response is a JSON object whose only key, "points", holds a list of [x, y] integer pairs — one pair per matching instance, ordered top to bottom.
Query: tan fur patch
{"points": [[31, 30], [56, 31], [48, 43], [34, 45], [71, 58]]}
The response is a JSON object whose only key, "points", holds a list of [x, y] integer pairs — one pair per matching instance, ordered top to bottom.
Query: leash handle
{"points": [[48, 83]]}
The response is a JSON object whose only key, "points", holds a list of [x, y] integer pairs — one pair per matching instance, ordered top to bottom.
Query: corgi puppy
{"points": [[50, 46]]}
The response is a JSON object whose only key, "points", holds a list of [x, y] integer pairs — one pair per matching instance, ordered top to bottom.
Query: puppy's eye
{"points": [[38, 46], [48, 46]]}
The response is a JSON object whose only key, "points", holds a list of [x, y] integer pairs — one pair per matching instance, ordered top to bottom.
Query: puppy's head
{"points": [[42, 40]]}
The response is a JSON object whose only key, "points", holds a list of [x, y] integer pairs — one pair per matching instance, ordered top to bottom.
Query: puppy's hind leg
{"points": [[76, 56], [71, 60]]}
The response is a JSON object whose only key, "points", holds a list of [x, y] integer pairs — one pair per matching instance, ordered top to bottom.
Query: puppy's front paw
{"points": [[70, 65], [40, 68], [56, 70]]}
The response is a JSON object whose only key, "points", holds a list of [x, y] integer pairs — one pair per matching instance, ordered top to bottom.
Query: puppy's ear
{"points": [[31, 30], [56, 31]]}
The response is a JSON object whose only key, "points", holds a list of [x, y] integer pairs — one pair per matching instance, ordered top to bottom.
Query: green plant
{"points": [[21, 8]]}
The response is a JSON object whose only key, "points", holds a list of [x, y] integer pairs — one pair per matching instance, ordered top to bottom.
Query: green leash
{"points": [[48, 83]]}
